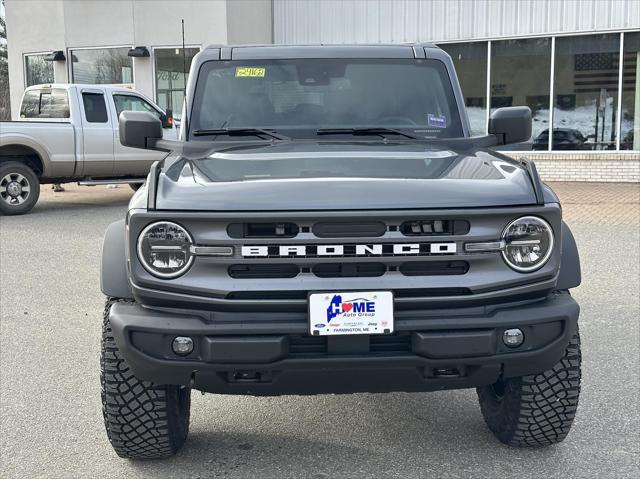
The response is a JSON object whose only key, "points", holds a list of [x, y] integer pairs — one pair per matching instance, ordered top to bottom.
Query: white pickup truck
{"points": [[70, 133]]}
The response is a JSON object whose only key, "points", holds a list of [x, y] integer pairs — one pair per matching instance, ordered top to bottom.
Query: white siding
{"points": [[397, 21], [46, 25]]}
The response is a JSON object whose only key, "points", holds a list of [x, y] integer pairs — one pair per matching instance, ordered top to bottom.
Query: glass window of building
{"points": [[470, 61], [101, 66], [170, 66], [37, 70], [520, 76], [586, 92], [630, 114]]}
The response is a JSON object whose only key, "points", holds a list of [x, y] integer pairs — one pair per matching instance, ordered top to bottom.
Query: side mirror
{"points": [[167, 119], [512, 124], [139, 129]]}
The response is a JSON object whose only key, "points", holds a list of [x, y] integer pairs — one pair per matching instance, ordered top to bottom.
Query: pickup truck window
{"points": [[306, 95], [45, 103], [133, 103], [95, 108]]}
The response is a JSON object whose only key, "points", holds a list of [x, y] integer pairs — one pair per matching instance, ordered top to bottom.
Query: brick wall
{"points": [[606, 167]]}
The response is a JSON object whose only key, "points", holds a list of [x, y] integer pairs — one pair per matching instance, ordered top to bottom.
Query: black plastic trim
{"points": [[570, 275], [474, 352]]}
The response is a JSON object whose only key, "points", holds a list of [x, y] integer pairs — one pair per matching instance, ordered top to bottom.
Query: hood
{"points": [[343, 176]]}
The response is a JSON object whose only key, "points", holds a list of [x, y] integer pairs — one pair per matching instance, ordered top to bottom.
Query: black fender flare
{"points": [[570, 275], [114, 280]]}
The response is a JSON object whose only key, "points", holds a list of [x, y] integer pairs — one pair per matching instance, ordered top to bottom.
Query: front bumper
{"points": [[451, 349]]}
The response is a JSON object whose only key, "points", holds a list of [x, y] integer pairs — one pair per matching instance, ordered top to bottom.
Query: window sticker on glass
{"points": [[250, 72], [437, 121]]}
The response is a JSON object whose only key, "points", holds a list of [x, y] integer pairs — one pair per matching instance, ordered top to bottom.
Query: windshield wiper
{"points": [[378, 130], [240, 132]]}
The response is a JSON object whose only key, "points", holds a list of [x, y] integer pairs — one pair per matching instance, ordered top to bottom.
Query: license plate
{"points": [[360, 312]]}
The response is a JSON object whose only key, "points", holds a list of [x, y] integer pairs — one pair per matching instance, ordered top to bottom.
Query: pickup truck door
{"points": [[97, 135], [132, 161]]}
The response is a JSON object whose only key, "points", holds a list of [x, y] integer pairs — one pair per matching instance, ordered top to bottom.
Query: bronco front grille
{"points": [[274, 260], [347, 270], [263, 271]]}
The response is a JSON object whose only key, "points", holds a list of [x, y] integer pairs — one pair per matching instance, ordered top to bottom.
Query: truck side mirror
{"points": [[511, 124], [139, 129]]}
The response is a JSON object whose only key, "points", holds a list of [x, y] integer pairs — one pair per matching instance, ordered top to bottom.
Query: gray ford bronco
{"points": [[327, 224]]}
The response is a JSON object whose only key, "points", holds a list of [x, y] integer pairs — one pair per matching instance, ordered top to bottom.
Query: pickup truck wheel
{"points": [[19, 188], [535, 410], [143, 419]]}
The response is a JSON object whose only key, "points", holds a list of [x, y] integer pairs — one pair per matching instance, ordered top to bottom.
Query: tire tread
{"points": [[538, 409], [142, 419]]}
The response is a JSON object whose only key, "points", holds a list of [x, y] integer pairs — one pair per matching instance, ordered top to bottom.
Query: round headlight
{"points": [[528, 243], [164, 249]]}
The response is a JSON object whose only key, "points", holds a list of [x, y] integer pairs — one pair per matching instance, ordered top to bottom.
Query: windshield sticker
{"points": [[250, 72], [436, 121]]}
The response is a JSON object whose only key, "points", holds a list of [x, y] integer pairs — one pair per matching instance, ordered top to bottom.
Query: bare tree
{"points": [[5, 103]]}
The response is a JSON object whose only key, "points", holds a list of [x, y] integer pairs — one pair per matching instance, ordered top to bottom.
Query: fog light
{"points": [[513, 337], [182, 345]]}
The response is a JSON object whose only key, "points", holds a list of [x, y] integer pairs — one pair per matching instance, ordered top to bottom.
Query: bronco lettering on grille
{"points": [[310, 251]]}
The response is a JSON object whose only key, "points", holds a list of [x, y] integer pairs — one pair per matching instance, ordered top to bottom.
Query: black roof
{"points": [[269, 51]]}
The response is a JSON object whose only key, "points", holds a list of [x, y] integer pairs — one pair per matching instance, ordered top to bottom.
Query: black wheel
{"points": [[135, 186], [19, 188], [535, 410], [143, 420]]}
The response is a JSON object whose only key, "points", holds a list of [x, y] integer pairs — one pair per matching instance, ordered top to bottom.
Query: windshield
{"points": [[301, 96]]}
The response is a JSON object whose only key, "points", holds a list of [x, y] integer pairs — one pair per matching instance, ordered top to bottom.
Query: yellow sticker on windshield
{"points": [[250, 72]]}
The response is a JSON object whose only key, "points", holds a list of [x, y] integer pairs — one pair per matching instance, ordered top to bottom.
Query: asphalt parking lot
{"points": [[50, 414]]}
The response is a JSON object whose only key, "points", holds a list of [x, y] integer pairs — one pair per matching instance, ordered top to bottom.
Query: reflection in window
{"points": [[470, 61], [101, 66], [37, 70], [520, 73], [170, 76], [586, 90], [45, 103], [132, 103], [630, 126]]}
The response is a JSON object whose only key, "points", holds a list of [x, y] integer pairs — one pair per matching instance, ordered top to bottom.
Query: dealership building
{"points": [[576, 64]]}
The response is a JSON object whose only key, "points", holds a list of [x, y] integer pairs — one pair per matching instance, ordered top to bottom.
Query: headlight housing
{"points": [[528, 243], [164, 249]]}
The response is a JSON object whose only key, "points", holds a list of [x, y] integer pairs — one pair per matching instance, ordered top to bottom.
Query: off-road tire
{"points": [[27, 200], [535, 410], [143, 420]]}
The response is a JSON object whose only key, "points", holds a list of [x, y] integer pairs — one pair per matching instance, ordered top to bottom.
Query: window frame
{"points": [[553, 36], [70, 51], [24, 67], [154, 86]]}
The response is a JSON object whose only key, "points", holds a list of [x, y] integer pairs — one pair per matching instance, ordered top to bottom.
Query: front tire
{"points": [[19, 188], [535, 410], [143, 420]]}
